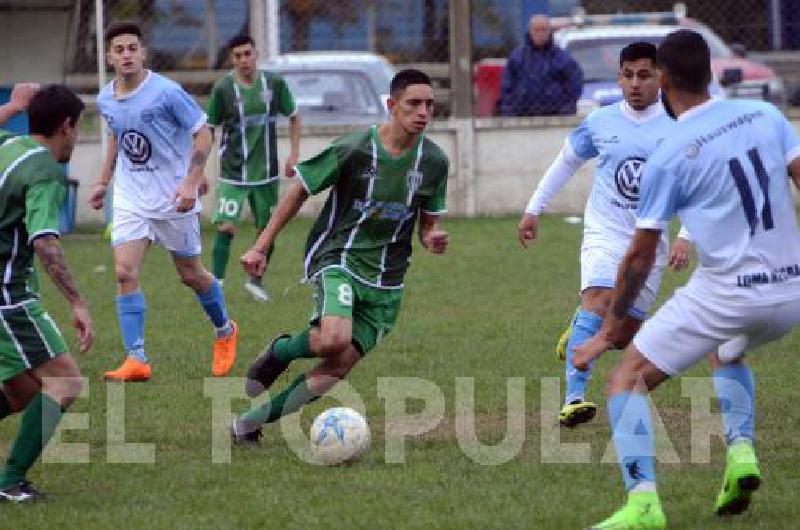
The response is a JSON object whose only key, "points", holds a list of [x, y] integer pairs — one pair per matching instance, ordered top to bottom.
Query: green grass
{"points": [[486, 310]]}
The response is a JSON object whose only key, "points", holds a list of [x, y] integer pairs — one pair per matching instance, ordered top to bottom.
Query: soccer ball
{"points": [[339, 435]]}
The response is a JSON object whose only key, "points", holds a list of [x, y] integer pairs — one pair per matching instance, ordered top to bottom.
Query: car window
{"points": [[331, 91]]}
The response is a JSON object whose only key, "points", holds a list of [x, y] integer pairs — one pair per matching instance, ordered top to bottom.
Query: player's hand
{"points": [[21, 95], [291, 161], [202, 188], [186, 196], [97, 197], [527, 229], [435, 241], [680, 254], [254, 262], [83, 323], [590, 350]]}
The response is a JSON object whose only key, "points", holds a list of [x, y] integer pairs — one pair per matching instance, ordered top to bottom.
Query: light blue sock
{"points": [[213, 302], [131, 310], [584, 327], [736, 392], [632, 430]]}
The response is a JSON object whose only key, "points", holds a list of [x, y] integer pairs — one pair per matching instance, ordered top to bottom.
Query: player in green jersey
{"points": [[245, 104], [381, 180], [37, 374]]}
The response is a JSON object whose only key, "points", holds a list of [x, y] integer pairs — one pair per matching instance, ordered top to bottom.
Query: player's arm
{"points": [[21, 96], [294, 142], [794, 171], [557, 175], [98, 193], [186, 196], [42, 204], [431, 235], [255, 259], [632, 274]]}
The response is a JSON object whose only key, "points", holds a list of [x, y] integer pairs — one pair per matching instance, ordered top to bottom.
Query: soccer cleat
{"points": [[257, 291], [563, 340], [225, 352], [132, 370], [265, 370], [577, 412], [242, 434], [741, 479], [20, 492], [641, 512]]}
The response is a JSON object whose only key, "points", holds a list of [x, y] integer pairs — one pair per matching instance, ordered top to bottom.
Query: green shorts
{"points": [[231, 198], [373, 311], [28, 338]]}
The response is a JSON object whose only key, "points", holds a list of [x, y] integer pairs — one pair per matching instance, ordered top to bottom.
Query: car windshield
{"points": [[599, 58], [335, 92]]}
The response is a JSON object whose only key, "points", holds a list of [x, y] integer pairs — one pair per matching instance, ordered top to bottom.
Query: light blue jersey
{"points": [[153, 127], [621, 140], [723, 171]]}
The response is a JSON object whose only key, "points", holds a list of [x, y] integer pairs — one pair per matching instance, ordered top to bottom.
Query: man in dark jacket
{"points": [[540, 78]]}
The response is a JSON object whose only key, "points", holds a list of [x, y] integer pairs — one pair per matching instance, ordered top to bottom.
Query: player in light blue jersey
{"points": [[621, 138], [158, 147], [723, 171]]}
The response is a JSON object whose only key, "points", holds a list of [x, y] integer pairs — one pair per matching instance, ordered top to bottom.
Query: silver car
{"points": [[332, 88]]}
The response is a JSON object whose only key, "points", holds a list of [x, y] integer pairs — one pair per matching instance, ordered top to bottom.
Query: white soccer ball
{"points": [[339, 435]]}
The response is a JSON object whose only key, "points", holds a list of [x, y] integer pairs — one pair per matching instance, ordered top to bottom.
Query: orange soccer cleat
{"points": [[225, 352], [132, 370]]}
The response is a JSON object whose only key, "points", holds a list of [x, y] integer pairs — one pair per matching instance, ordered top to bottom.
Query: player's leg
{"points": [[262, 200], [230, 201], [131, 239], [330, 332], [563, 339], [39, 348], [16, 393]]}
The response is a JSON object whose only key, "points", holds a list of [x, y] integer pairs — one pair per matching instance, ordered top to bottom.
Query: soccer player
{"points": [[245, 103], [622, 138], [157, 150], [723, 171], [381, 180], [37, 373]]}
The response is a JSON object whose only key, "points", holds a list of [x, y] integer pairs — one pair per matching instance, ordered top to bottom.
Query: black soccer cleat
{"points": [[264, 370], [242, 434], [20, 493]]}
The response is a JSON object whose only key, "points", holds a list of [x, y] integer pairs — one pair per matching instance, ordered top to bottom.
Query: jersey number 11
{"points": [[748, 203]]}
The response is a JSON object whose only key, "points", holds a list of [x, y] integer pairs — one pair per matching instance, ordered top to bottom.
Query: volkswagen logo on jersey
{"points": [[136, 146], [628, 176]]}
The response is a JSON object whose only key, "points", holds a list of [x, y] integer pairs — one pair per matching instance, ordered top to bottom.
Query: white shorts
{"points": [[179, 235], [599, 267], [696, 321]]}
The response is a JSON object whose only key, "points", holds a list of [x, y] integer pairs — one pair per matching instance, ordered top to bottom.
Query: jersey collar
{"points": [[135, 90], [699, 109], [640, 116]]}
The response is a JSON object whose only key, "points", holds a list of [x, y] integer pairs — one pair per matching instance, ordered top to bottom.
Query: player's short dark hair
{"points": [[124, 27], [240, 40], [638, 50], [686, 60], [404, 78], [50, 106]]}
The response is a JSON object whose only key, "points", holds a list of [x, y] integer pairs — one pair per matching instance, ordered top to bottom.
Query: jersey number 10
{"points": [[748, 203]]}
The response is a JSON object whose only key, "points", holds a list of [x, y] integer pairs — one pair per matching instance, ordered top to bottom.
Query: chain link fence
{"points": [[186, 39]]}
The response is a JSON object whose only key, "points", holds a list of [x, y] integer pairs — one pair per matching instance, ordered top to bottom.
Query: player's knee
{"points": [[227, 228], [125, 274], [190, 277], [334, 343], [63, 389]]}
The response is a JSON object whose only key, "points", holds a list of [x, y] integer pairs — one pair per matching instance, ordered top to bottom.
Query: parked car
{"points": [[597, 47], [333, 88]]}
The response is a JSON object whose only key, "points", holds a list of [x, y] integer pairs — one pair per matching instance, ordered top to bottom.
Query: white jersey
{"points": [[153, 127], [621, 140], [723, 172]]}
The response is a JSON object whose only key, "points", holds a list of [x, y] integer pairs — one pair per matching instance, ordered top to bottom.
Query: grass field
{"points": [[486, 310]]}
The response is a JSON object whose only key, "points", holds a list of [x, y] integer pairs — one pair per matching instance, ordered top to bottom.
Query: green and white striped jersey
{"points": [[248, 150], [32, 188], [368, 220]]}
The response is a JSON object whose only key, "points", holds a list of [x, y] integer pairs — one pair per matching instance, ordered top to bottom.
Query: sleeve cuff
{"points": [[202, 120], [793, 154], [302, 180], [437, 212], [652, 224], [40, 233]]}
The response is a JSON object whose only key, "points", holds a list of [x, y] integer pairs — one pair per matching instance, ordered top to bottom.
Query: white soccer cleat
{"points": [[257, 291]]}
